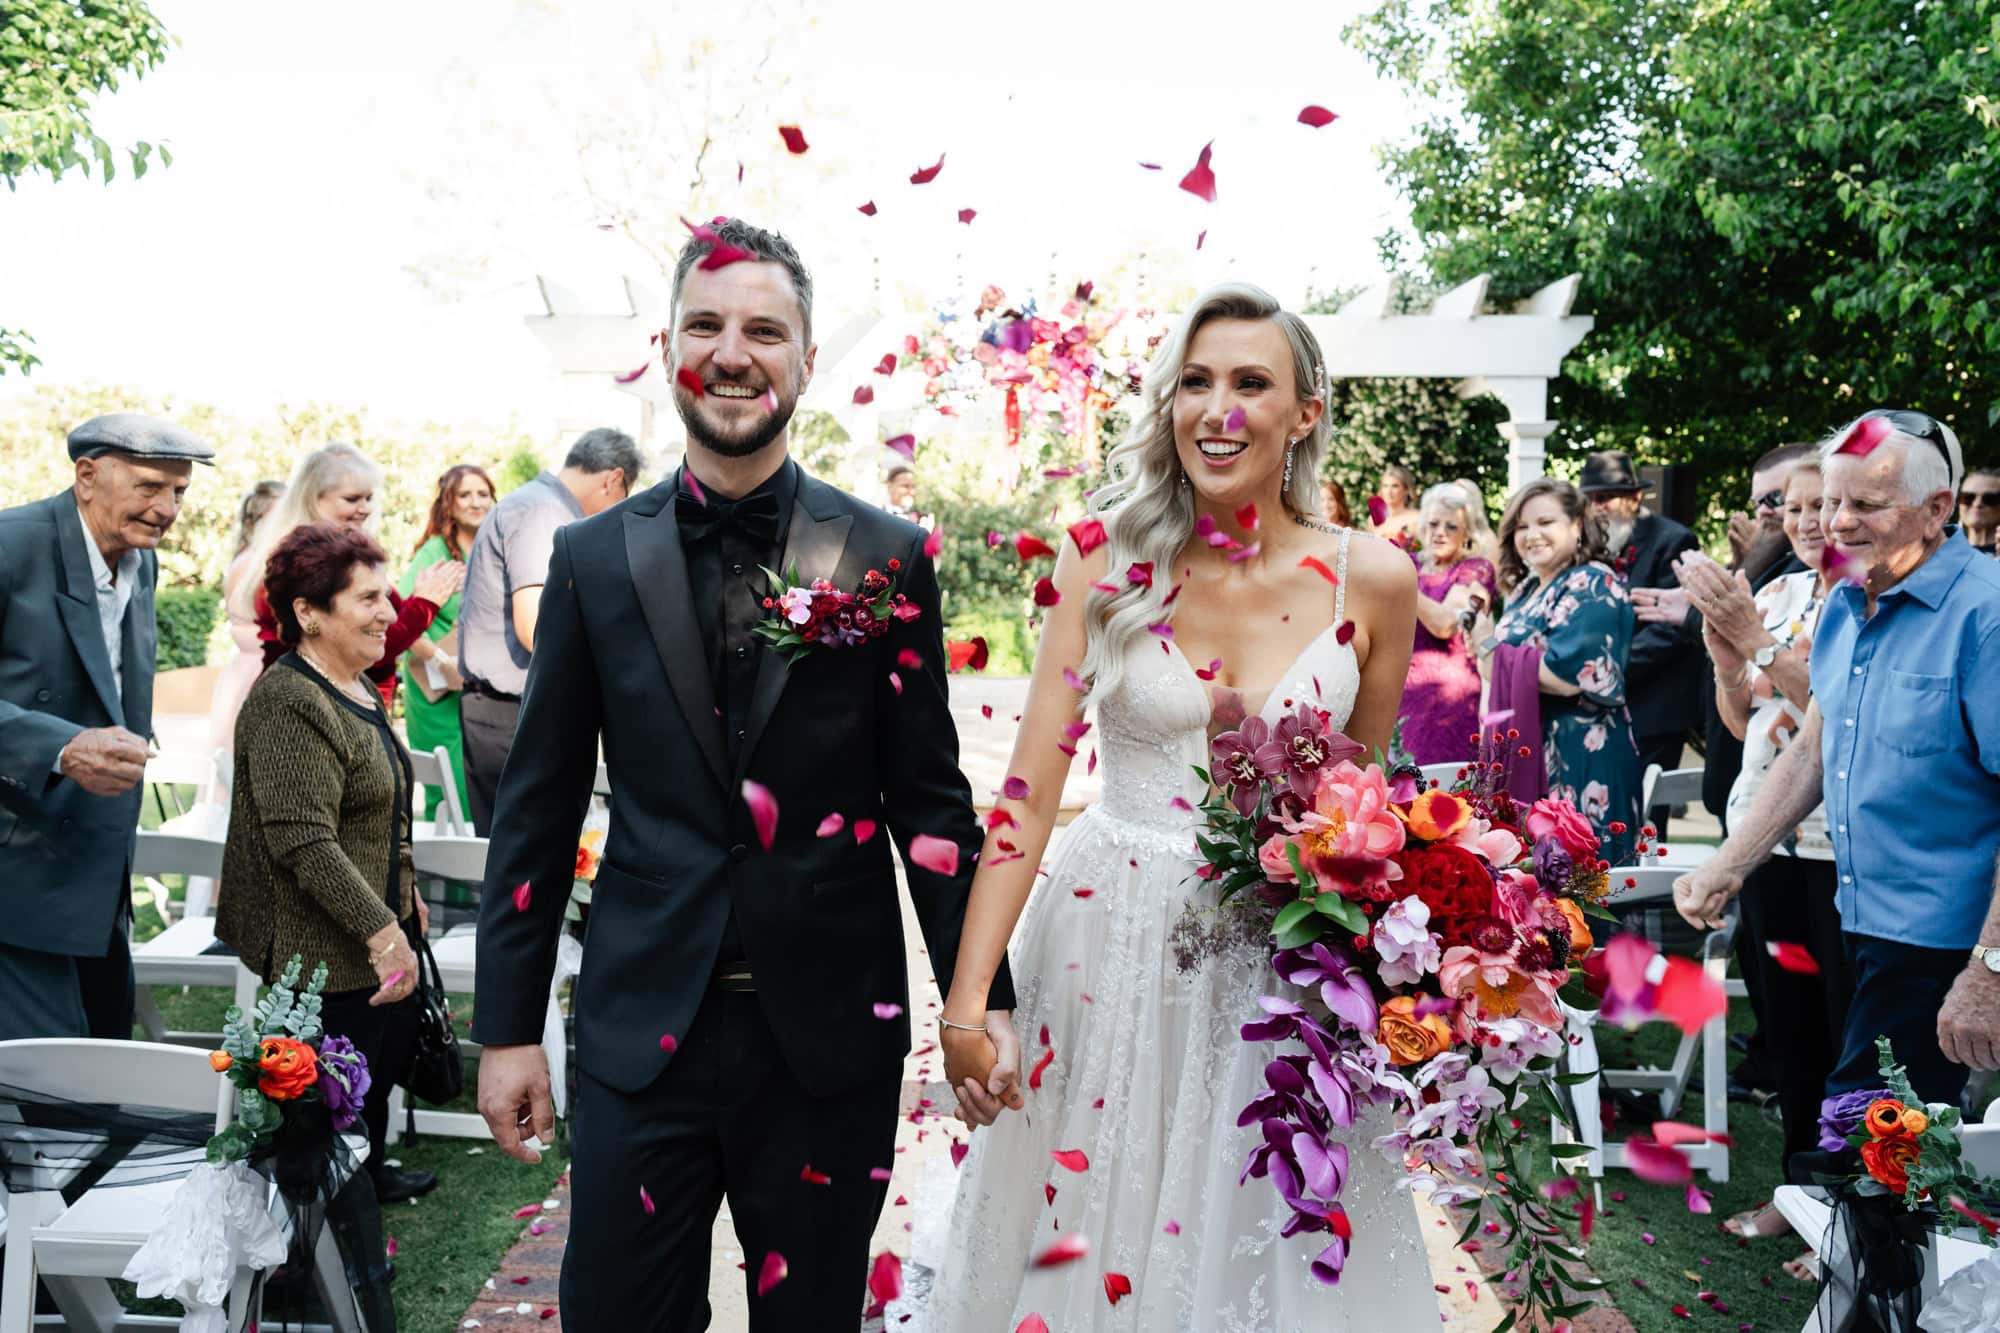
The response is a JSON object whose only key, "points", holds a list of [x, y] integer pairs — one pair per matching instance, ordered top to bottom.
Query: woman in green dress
{"points": [[430, 668]]}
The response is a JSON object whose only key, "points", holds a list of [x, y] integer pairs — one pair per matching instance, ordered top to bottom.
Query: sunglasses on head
{"points": [[1924, 427], [1979, 497], [1769, 500]]}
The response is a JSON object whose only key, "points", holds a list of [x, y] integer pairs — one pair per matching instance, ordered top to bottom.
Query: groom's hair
{"points": [[766, 246]]}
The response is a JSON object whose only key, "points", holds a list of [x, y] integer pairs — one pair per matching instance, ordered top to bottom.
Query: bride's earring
{"points": [[1288, 463]]}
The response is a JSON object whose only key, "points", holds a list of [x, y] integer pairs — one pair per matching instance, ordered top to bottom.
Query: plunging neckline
{"points": [[1207, 687]]}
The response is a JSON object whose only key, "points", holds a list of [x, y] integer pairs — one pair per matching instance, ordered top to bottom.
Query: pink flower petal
{"points": [[1316, 116], [795, 139], [1152, 166], [925, 175], [1200, 180], [867, 210], [966, 215], [1199, 239], [887, 365], [631, 375], [689, 380], [863, 396], [1234, 421], [1865, 435], [905, 444], [694, 487], [1378, 510], [934, 542], [1249, 552], [1162, 629], [909, 659], [1209, 672], [1074, 681], [895, 682], [1014, 789], [763, 810], [831, 825], [864, 829], [937, 855], [522, 896], [886, 1010], [669, 1043], [1672, 1133], [958, 1151], [1071, 1158], [1655, 1163], [879, 1173], [812, 1177], [645, 1200], [1696, 1200], [526, 1210], [1172, 1228], [390, 1247], [1066, 1250], [771, 1272], [885, 1280], [1034, 1322]]}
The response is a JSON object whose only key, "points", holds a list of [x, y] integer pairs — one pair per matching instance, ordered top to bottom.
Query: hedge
{"points": [[187, 617]]}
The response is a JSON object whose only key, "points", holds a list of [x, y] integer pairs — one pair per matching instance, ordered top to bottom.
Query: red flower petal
{"points": [[1316, 116], [795, 139], [925, 175], [1200, 181], [867, 210], [966, 215], [887, 365], [631, 375], [687, 379], [863, 396], [1866, 434], [905, 444], [1378, 510], [1246, 517], [1088, 534], [934, 542], [1030, 547], [1318, 566], [1140, 573], [1045, 592], [1345, 632], [908, 658], [1209, 672], [1014, 789], [763, 811], [831, 825], [864, 829], [937, 855], [522, 896], [1793, 957], [1688, 996], [669, 1043], [1035, 1074], [1673, 1132], [958, 1151], [1071, 1158], [1655, 1163], [812, 1177], [1049, 1193], [526, 1210], [1586, 1218], [1337, 1220], [1986, 1224], [1067, 1250], [771, 1272], [885, 1280], [1116, 1287], [1032, 1324]]}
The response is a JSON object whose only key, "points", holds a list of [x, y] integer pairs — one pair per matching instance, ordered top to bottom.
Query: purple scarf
{"points": [[1517, 685]]}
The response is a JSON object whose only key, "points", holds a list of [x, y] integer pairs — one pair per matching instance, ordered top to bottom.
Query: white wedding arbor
{"points": [[1512, 355]]}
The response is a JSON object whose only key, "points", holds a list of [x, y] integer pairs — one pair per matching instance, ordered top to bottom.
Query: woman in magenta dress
{"points": [[1441, 696]]}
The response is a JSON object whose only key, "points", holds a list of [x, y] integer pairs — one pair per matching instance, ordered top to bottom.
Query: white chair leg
{"points": [[149, 1015], [1715, 1079], [17, 1283], [335, 1292], [87, 1303]]}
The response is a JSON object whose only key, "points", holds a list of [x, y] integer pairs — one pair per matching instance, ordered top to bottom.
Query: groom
{"points": [[739, 1020]]}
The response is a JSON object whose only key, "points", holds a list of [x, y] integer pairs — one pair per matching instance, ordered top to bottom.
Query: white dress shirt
{"points": [[114, 594]]}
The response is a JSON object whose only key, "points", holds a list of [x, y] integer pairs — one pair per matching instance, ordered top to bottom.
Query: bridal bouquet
{"points": [[1436, 927]]}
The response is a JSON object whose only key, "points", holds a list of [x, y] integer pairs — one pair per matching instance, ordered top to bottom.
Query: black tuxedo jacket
{"points": [[618, 652], [1664, 668]]}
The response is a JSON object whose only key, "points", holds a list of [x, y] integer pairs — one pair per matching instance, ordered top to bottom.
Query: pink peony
{"points": [[1349, 818], [1558, 818], [1271, 856], [1498, 988]]}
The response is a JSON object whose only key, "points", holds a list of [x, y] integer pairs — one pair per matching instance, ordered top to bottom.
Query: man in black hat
{"points": [[77, 648], [1662, 672]]}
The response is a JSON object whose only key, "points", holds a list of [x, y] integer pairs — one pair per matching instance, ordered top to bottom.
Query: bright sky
{"points": [[327, 156]]}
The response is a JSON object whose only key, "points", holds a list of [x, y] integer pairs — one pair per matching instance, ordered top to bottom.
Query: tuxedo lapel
{"points": [[814, 545], [660, 579], [77, 604]]}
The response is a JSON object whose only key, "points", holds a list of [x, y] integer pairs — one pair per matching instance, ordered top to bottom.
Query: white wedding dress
{"points": [[1148, 1076]]}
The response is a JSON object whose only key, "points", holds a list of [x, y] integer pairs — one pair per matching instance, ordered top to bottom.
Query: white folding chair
{"points": [[173, 769], [433, 769], [1443, 774], [602, 786], [1671, 787], [1652, 883], [178, 955], [76, 1248]]}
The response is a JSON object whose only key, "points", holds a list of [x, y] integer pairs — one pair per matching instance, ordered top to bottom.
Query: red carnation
{"points": [[1454, 884]]}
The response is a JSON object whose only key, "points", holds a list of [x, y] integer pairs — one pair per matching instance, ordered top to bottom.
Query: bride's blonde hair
{"points": [[1147, 505]]}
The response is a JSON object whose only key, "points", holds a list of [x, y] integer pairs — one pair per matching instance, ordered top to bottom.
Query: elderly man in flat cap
{"points": [[77, 648]]}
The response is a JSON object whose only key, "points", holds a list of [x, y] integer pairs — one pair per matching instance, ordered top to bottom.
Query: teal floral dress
{"points": [[1582, 622]]}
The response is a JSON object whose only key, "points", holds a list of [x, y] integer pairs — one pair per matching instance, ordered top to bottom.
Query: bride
{"points": [[1210, 601]]}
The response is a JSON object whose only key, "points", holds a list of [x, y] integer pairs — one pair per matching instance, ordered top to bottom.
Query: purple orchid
{"points": [[1306, 744], [1245, 759], [1343, 986], [348, 1081]]}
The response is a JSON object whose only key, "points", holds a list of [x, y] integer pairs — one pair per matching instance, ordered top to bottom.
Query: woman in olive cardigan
{"points": [[318, 862]]}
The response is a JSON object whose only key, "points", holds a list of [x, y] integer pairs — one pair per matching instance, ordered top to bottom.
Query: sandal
{"points": [[1758, 1223], [1805, 1268]]}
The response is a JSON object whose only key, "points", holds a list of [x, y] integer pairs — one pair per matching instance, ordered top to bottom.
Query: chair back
{"points": [[183, 768], [432, 768], [1443, 774], [1669, 786], [178, 854], [450, 858], [1647, 884], [134, 1073], [1982, 1149]]}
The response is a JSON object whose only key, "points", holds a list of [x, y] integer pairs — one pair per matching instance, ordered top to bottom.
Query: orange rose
{"points": [[1436, 814], [1581, 941], [1410, 1039], [220, 1061], [290, 1067], [1884, 1117], [1890, 1158]]}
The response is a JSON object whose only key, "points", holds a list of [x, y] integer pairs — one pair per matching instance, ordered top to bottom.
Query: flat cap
{"points": [[139, 436]]}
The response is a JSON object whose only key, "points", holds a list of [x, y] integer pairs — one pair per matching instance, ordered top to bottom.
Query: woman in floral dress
{"points": [[1564, 600]]}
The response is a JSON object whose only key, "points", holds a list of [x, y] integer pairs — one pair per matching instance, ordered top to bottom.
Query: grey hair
{"points": [[766, 246], [603, 448], [1925, 470], [317, 472], [1447, 494], [1148, 514]]}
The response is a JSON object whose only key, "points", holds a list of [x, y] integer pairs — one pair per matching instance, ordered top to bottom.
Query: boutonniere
{"points": [[1623, 564], [806, 616]]}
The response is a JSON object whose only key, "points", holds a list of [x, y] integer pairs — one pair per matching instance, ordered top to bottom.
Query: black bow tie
{"points": [[755, 516]]}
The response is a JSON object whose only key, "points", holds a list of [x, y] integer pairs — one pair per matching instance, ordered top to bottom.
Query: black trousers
{"points": [[488, 727], [1790, 899], [1898, 990], [387, 1036], [726, 1119]]}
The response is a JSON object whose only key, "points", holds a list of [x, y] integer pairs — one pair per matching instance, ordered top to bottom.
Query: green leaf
{"points": [[1304, 876], [1346, 913], [1296, 925], [1565, 1151]]}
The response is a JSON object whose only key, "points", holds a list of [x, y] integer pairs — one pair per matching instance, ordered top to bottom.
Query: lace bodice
{"points": [[1153, 728]]}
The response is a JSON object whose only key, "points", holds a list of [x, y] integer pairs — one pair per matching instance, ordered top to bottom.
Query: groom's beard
{"points": [[759, 431], [1618, 531]]}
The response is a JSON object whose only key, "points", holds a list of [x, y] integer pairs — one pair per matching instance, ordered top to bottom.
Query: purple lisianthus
{"points": [[1553, 863], [347, 1083], [1840, 1115]]}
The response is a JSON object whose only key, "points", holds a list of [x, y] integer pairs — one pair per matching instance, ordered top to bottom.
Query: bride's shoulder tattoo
{"points": [[1316, 524]]}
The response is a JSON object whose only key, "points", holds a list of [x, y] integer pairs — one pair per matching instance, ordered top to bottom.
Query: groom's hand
{"points": [[514, 1096]]}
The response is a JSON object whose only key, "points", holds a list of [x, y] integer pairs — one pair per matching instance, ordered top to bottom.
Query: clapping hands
{"points": [[984, 1068]]}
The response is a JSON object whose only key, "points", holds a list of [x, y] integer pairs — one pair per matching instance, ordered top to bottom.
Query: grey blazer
{"points": [[65, 855]]}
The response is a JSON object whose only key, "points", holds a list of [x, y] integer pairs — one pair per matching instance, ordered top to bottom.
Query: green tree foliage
{"points": [[55, 56], [1782, 211], [187, 618]]}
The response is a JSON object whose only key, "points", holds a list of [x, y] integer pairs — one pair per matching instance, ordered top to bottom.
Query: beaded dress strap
{"points": [[1340, 575]]}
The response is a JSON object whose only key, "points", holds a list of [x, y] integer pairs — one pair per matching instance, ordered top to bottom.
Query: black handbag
{"points": [[437, 1069]]}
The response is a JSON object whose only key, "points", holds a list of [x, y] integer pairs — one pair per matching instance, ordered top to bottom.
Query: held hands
{"points": [[436, 583], [104, 761], [1701, 895], [395, 963], [1968, 1025], [984, 1068], [514, 1096]]}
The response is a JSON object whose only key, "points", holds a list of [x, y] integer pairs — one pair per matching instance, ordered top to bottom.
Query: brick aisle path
{"points": [[506, 1302]]}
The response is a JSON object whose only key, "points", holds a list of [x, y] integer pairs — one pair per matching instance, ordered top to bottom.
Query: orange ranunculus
{"points": [[1437, 814], [586, 864], [1581, 941], [1410, 1039], [220, 1061], [290, 1067], [1884, 1118], [1915, 1121], [1889, 1159]]}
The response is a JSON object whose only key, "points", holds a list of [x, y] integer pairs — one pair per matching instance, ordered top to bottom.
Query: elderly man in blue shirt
{"points": [[1902, 741]]}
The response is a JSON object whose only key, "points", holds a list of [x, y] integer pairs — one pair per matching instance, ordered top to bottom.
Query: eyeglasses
{"points": [[1969, 498], [1769, 500]]}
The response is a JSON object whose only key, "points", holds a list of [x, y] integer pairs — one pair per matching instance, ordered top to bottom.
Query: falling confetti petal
{"points": [[1316, 116], [795, 139], [925, 175], [1200, 181], [867, 210], [966, 215], [1199, 239], [887, 365], [629, 376], [689, 380], [863, 396], [769, 400], [1235, 419], [1866, 434], [905, 444], [694, 487], [1378, 510], [1246, 517], [1088, 535], [934, 543], [1030, 547], [1318, 567], [1046, 593], [1345, 632], [961, 656], [909, 659], [1210, 671], [1074, 681], [1014, 789], [763, 811], [831, 825], [864, 829], [937, 855], [522, 896], [1793, 957], [1688, 996], [885, 1010], [669, 1043], [1035, 1074], [1673, 1133], [958, 1152], [1072, 1158], [1656, 1163], [879, 1173], [812, 1177], [1696, 1200], [645, 1201], [526, 1210], [1986, 1224], [1172, 1228], [1067, 1250], [771, 1273], [885, 1280], [1116, 1286], [1032, 1324]]}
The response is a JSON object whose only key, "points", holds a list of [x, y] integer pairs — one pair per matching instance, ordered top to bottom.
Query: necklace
{"points": [[354, 689]]}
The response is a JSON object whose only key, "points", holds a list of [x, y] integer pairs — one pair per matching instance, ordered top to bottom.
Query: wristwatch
{"points": [[1761, 659], [1987, 956]]}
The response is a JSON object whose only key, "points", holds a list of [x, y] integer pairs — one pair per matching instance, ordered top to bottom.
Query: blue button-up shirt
{"points": [[1909, 700]]}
